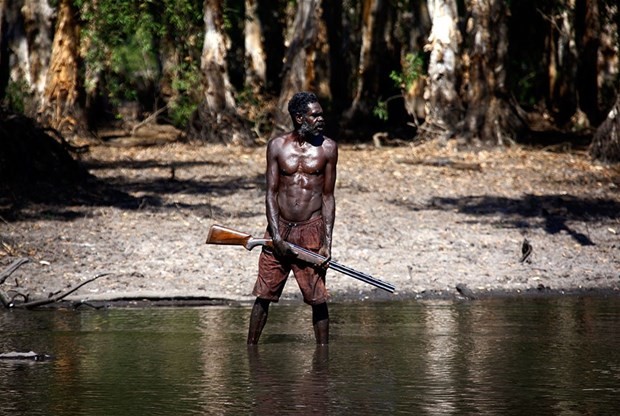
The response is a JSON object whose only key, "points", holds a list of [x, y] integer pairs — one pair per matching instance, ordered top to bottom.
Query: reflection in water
{"points": [[440, 350], [545, 356], [277, 388]]}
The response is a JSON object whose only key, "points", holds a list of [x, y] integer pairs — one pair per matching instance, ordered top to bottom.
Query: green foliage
{"points": [[232, 12], [122, 39], [412, 69], [186, 83], [526, 89], [15, 96], [181, 110], [380, 111]]}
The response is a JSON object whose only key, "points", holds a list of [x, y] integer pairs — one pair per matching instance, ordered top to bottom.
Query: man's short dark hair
{"points": [[299, 103]]}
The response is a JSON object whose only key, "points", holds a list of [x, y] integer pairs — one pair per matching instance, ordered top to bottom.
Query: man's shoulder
{"points": [[281, 139], [327, 141], [330, 145]]}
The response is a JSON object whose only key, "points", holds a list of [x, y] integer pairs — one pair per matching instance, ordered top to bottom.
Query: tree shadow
{"points": [[68, 199], [549, 212]]}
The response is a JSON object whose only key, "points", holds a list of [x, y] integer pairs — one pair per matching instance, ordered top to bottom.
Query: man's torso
{"points": [[301, 179]]}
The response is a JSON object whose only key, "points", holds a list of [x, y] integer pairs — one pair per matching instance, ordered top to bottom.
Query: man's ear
{"points": [[299, 118]]}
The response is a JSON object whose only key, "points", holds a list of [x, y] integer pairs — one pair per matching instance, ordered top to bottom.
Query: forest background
{"points": [[495, 72]]}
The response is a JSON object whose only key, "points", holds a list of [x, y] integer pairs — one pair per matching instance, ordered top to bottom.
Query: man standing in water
{"points": [[301, 209]]}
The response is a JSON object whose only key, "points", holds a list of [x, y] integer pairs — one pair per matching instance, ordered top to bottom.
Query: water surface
{"points": [[537, 356]]}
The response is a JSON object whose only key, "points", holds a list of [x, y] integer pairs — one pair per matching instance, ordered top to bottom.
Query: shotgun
{"points": [[226, 236]]}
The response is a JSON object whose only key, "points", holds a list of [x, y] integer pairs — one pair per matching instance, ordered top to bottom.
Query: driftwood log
{"points": [[10, 302], [30, 355]]}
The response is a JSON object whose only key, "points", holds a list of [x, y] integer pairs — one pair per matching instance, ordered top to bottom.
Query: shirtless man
{"points": [[301, 177]]}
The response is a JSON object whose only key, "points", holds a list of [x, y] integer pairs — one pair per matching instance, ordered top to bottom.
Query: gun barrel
{"points": [[366, 278]]}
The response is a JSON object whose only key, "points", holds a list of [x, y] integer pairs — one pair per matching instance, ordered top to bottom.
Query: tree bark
{"points": [[373, 12], [38, 19], [28, 36], [4, 50], [307, 51], [609, 54], [379, 55], [562, 58], [256, 65], [218, 90], [59, 105], [443, 106], [489, 116], [216, 119], [606, 142]]}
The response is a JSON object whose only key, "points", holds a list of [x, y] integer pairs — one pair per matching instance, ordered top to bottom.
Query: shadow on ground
{"points": [[66, 199], [552, 213]]}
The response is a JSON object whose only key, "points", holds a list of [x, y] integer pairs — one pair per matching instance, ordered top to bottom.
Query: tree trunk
{"points": [[373, 12], [270, 14], [38, 17], [420, 28], [587, 33], [29, 36], [4, 50], [307, 51], [609, 54], [379, 56], [339, 57], [562, 58], [256, 65], [218, 90], [59, 106], [443, 106], [488, 117], [216, 119], [606, 142]]}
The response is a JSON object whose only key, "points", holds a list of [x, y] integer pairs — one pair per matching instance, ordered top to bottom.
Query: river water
{"points": [[556, 356]]}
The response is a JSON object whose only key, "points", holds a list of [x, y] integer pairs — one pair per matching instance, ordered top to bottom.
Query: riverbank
{"points": [[432, 220]]}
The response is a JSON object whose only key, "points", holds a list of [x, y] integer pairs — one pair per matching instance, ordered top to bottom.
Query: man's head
{"points": [[306, 113]]}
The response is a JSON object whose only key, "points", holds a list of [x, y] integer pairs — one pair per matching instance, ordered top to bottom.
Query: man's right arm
{"points": [[271, 198]]}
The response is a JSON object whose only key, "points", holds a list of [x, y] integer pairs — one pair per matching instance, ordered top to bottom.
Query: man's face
{"points": [[312, 122]]}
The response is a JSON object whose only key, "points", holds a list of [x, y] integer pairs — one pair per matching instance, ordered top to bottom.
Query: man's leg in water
{"points": [[258, 319], [320, 321]]}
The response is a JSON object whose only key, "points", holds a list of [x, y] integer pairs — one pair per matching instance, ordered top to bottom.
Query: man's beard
{"points": [[308, 130]]}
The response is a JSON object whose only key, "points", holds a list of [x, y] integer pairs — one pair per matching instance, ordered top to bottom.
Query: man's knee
{"points": [[320, 312]]}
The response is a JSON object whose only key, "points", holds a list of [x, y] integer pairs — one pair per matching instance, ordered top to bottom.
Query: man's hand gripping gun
{"points": [[226, 236]]}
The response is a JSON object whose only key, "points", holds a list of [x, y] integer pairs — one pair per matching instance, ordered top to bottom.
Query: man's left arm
{"points": [[328, 209]]}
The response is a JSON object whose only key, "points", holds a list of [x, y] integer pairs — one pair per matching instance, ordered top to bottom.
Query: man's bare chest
{"points": [[309, 162]]}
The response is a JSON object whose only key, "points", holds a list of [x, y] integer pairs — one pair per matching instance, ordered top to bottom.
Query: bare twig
{"points": [[58, 297]]}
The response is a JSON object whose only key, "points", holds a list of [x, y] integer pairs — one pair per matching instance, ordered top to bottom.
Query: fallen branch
{"points": [[147, 120], [12, 267], [55, 298]]}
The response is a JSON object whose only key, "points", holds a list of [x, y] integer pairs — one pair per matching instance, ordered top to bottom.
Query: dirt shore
{"points": [[428, 219]]}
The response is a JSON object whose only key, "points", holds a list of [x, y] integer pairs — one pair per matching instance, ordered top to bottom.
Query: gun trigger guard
{"points": [[325, 263]]}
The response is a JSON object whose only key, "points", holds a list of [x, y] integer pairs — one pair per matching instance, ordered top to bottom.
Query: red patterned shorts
{"points": [[273, 271]]}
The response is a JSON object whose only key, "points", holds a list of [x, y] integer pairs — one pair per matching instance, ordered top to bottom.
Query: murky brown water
{"points": [[546, 356]]}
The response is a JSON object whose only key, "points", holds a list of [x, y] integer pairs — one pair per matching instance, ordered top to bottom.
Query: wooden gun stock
{"points": [[227, 236], [230, 237]]}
